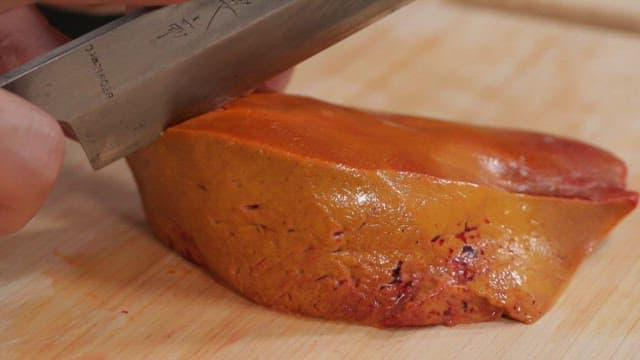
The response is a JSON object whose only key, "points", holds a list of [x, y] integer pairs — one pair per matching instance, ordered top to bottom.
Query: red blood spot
{"points": [[462, 236]]}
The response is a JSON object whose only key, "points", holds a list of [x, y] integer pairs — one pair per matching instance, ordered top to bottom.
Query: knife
{"points": [[118, 87]]}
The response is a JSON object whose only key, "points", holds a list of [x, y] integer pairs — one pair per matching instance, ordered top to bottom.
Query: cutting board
{"points": [[618, 14], [86, 280]]}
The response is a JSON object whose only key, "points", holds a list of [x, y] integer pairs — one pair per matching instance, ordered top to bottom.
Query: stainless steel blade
{"points": [[116, 89]]}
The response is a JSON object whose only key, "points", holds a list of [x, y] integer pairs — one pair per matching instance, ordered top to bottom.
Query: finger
{"points": [[103, 2], [11, 4], [95, 6], [105, 7], [25, 34], [32, 145], [31, 154]]}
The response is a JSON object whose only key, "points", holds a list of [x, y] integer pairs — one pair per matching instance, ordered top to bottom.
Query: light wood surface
{"points": [[614, 14], [86, 280]]}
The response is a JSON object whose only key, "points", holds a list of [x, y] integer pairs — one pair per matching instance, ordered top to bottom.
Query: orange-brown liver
{"points": [[383, 219]]}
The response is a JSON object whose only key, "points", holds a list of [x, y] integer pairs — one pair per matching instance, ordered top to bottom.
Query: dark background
{"points": [[73, 24]]}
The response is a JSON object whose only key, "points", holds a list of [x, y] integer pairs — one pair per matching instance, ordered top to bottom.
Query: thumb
{"points": [[31, 154]]}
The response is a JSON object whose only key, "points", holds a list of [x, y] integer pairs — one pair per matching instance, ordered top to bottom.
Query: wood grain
{"points": [[614, 14], [85, 279]]}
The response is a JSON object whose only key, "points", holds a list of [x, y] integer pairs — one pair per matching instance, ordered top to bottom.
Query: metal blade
{"points": [[116, 89]]}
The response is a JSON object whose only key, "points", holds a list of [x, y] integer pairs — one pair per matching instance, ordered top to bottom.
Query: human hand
{"points": [[93, 6], [31, 141]]}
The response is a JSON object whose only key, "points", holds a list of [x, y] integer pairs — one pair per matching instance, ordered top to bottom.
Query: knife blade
{"points": [[117, 88]]}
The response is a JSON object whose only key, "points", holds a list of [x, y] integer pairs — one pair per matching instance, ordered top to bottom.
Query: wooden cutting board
{"points": [[618, 14], [86, 280]]}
